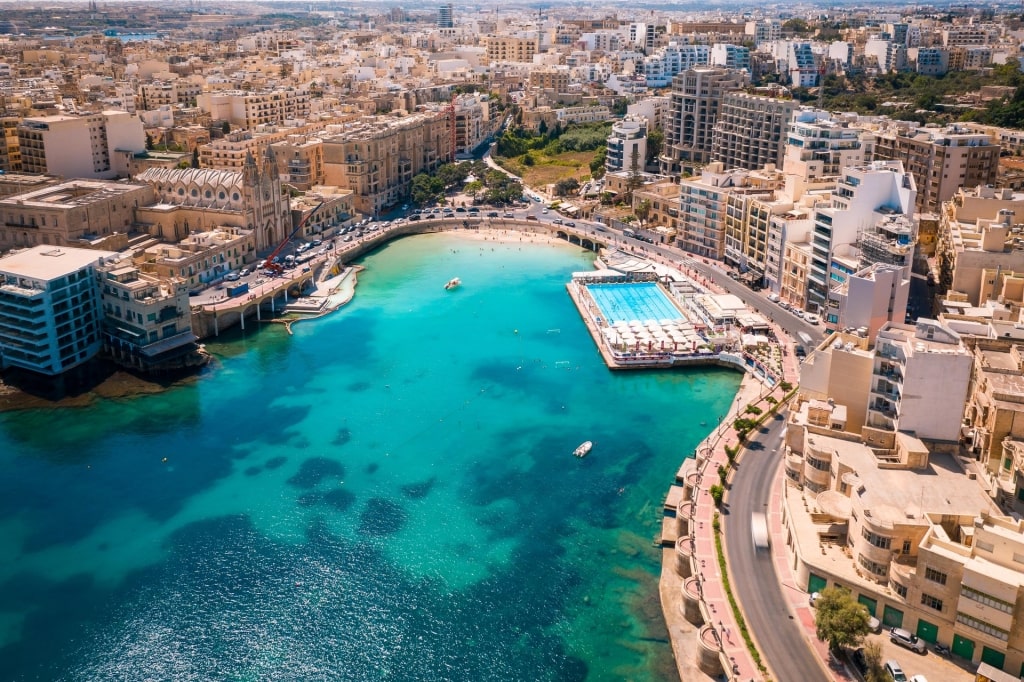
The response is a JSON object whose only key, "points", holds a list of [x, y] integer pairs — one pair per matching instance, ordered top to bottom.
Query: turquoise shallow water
{"points": [[389, 494]]}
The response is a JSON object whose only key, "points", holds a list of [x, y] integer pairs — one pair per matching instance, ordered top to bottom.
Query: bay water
{"points": [[387, 494]]}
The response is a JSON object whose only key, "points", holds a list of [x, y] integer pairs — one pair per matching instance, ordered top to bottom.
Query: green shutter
{"points": [[892, 618], [927, 631], [963, 647], [992, 657]]}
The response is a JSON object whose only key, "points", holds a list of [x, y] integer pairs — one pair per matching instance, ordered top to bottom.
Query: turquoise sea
{"points": [[389, 494]]}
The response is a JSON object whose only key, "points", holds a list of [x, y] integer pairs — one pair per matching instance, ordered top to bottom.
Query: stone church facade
{"points": [[192, 200]]}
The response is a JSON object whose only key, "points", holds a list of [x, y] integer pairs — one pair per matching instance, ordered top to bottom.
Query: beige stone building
{"points": [[510, 48], [251, 109], [377, 157], [941, 161], [74, 213], [979, 231], [201, 257], [906, 530]]}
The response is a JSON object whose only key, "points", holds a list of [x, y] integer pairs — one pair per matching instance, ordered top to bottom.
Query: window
{"points": [[879, 541], [985, 546], [871, 566], [935, 576], [901, 590], [986, 600], [931, 602], [982, 626]]}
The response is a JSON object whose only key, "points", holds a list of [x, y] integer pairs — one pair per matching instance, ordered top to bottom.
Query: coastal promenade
{"points": [[705, 635]]}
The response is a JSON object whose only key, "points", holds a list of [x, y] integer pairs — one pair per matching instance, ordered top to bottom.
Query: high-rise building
{"points": [[445, 18], [693, 110], [750, 131], [93, 146], [819, 147], [941, 161], [865, 199], [871, 298], [49, 308]]}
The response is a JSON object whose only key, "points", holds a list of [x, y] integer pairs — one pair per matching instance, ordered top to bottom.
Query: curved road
{"points": [[755, 582]]}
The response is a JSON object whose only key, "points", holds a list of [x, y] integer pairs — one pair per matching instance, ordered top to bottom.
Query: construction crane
{"points": [[277, 268]]}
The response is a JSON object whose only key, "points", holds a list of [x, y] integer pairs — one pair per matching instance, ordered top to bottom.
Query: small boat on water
{"points": [[452, 283], [583, 449]]}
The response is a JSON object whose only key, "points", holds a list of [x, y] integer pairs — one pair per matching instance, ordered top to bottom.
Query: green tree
{"points": [[795, 25], [225, 127], [542, 128], [149, 142], [655, 143], [195, 157], [528, 159], [567, 186], [473, 188], [426, 189], [642, 210], [841, 620], [875, 667]]}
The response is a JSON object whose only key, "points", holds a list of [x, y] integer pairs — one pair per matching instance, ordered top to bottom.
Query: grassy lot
{"points": [[549, 169]]}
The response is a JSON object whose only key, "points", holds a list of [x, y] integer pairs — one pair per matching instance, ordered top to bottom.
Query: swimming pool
{"points": [[634, 301]]}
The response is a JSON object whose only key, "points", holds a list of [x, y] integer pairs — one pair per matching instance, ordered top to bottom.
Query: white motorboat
{"points": [[452, 283], [583, 449]]}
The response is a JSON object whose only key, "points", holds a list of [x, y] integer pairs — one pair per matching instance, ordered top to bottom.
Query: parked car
{"points": [[474, 209], [460, 210], [543, 210], [492, 214], [509, 215], [414, 216], [531, 217], [556, 221], [571, 224], [317, 242], [243, 272], [231, 277], [774, 298], [812, 319], [813, 598], [906, 639], [860, 662], [893, 669], [918, 678]]}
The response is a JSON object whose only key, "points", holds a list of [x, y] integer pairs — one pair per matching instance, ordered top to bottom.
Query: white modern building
{"points": [[628, 141], [97, 146], [864, 197], [870, 299], [50, 311]]}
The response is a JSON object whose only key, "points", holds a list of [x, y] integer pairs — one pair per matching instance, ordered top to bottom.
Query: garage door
{"points": [[815, 583], [872, 604], [892, 618], [927, 631], [963, 647], [993, 657]]}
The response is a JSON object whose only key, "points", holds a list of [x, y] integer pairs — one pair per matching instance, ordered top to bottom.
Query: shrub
{"points": [[717, 493]]}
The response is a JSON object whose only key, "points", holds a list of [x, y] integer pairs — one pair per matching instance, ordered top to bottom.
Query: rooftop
{"points": [[47, 263]]}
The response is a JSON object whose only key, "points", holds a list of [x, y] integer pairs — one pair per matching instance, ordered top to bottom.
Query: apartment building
{"points": [[510, 48], [729, 56], [930, 61], [801, 65], [550, 78], [168, 93], [248, 110], [693, 111], [750, 130], [627, 144], [92, 146], [819, 147], [10, 151], [378, 157], [300, 161], [941, 161], [865, 198], [662, 199], [703, 203], [333, 209], [94, 212], [979, 233], [200, 258], [795, 270], [870, 298], [49, 308], [147, 322], [892, 387], [901, 527]]}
